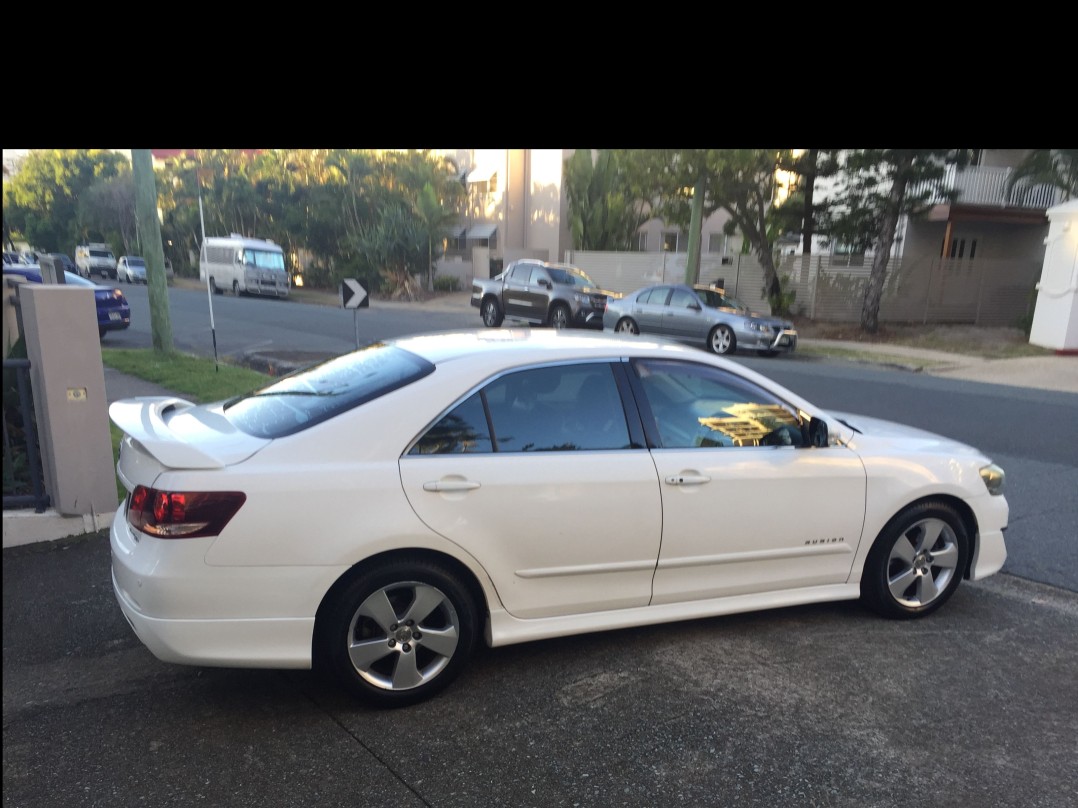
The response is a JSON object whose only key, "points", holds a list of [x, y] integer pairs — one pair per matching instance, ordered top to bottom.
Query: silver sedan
{"points": [[699, 314]]}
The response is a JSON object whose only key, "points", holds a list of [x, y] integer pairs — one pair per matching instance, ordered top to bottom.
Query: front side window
{"points": [[655, 297], [682, 299], [699, 406], [550, 409]]}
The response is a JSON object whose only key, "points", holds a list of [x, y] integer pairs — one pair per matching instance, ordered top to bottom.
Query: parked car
{"points": [[68, 263], [131, 269], [541, 293], [113, 310], [700, 315], [514, 485]]}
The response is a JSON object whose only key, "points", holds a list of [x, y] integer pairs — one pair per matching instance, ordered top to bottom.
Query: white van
{"points": [[91, 259], [244, 266]]}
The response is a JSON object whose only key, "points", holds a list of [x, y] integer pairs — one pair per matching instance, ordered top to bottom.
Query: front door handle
{"points": [[687, 479], [450, 485]]}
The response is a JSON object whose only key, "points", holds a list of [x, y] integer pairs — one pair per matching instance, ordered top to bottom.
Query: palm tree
{"points": [[1055, 167], [437, 220]]}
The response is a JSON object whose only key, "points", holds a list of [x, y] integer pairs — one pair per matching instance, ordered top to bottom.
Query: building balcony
{"points": [[987, 187]]}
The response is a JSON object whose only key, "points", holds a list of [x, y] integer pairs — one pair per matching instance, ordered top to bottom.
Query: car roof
{"points": [[525, 345]]}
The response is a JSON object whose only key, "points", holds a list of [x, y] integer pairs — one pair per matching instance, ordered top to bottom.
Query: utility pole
{"points": [[156, 282]]}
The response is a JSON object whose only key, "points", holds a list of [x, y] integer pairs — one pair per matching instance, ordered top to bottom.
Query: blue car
{"points": [[113, 310]]}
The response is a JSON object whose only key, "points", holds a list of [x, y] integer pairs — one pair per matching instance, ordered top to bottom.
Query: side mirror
{"points": [[545, 283], [817, 432]]}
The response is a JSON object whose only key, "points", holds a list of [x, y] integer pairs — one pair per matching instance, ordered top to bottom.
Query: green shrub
{"points": [[447, 283]]}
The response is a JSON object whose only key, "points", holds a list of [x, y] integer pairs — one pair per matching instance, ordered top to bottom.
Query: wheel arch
{"points": [[965, 513], [415, 555]]}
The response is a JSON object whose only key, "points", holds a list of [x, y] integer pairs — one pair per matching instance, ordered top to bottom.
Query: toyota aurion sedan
{"points": [[700, 315], [386, 511]]}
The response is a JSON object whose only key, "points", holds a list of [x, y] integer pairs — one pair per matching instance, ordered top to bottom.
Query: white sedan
{"points": [[387, 510]]}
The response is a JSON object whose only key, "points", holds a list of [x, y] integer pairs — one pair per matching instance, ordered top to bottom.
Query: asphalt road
{"points": [[823, 705]]}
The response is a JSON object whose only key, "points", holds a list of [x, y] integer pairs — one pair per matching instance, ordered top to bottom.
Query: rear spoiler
{"points": [[143, 420]]}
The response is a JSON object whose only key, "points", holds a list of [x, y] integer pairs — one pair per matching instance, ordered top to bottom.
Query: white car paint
{"points": [[557, 542]]}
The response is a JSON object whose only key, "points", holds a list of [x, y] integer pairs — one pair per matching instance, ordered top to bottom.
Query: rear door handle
{"points": [[687, 479], [450, 485]]}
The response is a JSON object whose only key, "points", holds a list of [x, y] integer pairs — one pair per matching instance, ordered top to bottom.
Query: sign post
{"points": [[354, 296]]}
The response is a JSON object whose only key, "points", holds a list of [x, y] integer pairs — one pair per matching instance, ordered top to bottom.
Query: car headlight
{"points": [[582, 299], [756, 325], [993, 477]]}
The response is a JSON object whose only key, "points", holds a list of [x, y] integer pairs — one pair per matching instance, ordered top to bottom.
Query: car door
{"points": [[517, 297], [647, 309], [684, 317], [560, 503], [748, 508]]}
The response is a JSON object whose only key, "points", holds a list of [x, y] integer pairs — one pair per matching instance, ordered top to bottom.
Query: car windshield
{"points": [[136, 262], [570, 277], [307, 397]]}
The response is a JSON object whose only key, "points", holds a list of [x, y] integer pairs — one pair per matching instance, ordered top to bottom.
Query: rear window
{"points": [[308, 397]]}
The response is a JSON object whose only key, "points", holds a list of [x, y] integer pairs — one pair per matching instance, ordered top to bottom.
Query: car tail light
{"points": [[182, 514]]}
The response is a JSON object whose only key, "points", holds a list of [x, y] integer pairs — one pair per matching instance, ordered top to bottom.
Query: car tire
{"points": [[213, 286], [236, 288], [491, 313], [559, 316], [627, 325], [721, 340], [917, 562], [368, 639]]}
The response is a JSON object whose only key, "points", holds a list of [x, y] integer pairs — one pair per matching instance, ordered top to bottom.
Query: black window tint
{"points": [[310, 396], [701, 406], [564, 408], [464, 430]]}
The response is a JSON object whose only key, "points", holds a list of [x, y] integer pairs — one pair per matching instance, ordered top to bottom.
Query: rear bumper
{"points": [[189, 612]]}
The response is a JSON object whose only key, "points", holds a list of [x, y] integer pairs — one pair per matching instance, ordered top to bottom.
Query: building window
{"points": [[670, 241], [642, 242], [716, 243], [959, 246]]}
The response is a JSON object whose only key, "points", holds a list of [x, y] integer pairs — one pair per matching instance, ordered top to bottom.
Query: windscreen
{"points": [[307, 397]]}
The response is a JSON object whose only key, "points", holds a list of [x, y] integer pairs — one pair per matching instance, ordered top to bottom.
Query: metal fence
{"points": [[831, 288], [24, 485]]}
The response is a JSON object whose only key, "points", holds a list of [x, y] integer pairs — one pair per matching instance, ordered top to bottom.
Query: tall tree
{"points": [[746, 185], [881, 186], [42, 200], [802, 209], [604, 212], [437, 221]]}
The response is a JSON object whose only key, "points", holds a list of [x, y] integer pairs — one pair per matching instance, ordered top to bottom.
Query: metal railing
{"points": [[987, 186], [22, 451]]}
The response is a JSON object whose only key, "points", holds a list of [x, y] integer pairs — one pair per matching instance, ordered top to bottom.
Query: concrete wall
{"points": [[1055, 320], [62, 343]]}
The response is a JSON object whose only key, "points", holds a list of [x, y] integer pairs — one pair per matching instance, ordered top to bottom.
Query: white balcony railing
{"points": [[988, 186]]}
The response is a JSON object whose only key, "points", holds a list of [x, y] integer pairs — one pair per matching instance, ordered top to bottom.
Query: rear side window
{"points": [[308, 397]]}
